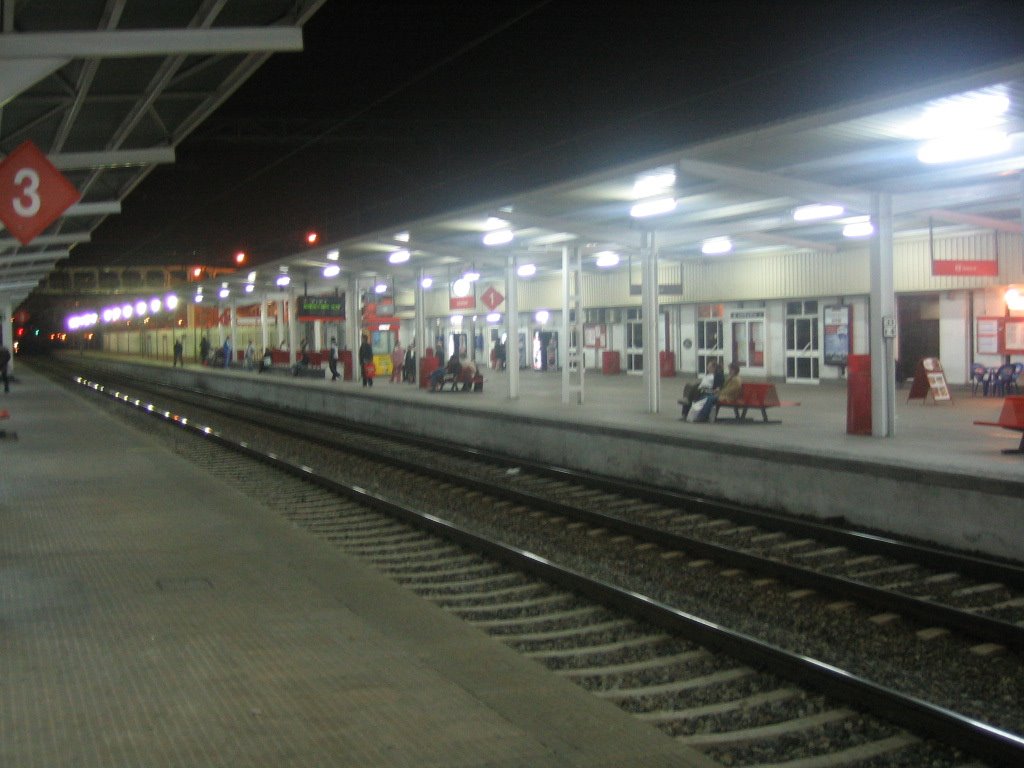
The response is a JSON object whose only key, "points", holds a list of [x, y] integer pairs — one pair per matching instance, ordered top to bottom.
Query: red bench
{"points": [[754, 395], [1012, 418]]}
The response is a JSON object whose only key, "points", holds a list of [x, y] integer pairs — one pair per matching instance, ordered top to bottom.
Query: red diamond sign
{"points": [[33, 194], [492, 298]]}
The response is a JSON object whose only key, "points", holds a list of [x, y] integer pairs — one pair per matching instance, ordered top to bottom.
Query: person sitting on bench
{"points": [[705, 385], [730, 390]]}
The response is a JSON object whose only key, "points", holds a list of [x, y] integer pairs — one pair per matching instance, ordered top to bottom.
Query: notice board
{"points": [[929, 378]]}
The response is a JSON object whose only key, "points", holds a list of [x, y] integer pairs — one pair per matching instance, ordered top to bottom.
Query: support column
{"points": [[649, 304], [882, 313], [282, 320], [420, 320], [353, 323], [572, 326], [293, 327], [264, 331], [235, 341], [512, 344]]}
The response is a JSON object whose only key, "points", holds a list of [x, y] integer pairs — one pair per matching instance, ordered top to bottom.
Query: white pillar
{"points": [[649, 304], [572, 305], [233, 318], [883, 320], [353, 323], [421, 325], [293, 327], [264, 331], [318, 335], [512, 345]]}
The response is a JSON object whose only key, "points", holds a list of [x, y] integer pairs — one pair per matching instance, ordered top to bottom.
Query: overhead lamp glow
{"points": [[965, 113], [964, 146], [654, 183], [655, 207], [817, 211], [493, 222], [859, 228], [402, 237], [498, 237], [716, 246], [333, 255], [399, 257], [605, 259], [332, 270], [527, 270], [471, 276], [251, 278], [283, 281], [426, 282], [249, 287], [461, 287], [380, 288], [224, 293], [199, 298], [1014, 300], [171, 301], [154, 305], [140, 308], [542, 316], [494, 317], [456, 320]]}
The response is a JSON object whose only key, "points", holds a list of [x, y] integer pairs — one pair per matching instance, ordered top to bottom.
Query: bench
{"points": [[467, 383], [757, 395], [1012, 418]]}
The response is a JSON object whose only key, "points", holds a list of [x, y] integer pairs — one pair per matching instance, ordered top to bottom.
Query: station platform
{"points": [[939, 478], [152, 616]]}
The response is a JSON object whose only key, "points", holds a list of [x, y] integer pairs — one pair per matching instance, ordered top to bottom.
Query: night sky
{"points": [[401, 109]]}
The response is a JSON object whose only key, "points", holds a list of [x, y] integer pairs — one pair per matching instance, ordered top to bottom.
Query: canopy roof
{"points": [[108, 88]]}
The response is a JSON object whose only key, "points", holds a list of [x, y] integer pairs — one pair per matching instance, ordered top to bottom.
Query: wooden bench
{"points": [[757, 395], [1012, 418]]}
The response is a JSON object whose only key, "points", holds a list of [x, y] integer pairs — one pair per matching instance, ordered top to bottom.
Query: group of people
{"points": [[457, 370], [710, 389]]}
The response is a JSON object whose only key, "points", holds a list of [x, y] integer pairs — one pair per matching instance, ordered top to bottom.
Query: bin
{"points": [[345, 356], [610, 362], [667, 364], [428, 365], [858, 395]]}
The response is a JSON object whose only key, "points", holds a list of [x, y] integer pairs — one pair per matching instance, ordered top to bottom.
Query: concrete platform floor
{"points": [[152, 616]]}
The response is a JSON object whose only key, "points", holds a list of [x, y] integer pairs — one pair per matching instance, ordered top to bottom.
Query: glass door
{"points": [[634, 342], [709, 344], [802, 355]]}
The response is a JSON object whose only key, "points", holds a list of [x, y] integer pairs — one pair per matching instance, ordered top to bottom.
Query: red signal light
{"points": [[312, 238]]}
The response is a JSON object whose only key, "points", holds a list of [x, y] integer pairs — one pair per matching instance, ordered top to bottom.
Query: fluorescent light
{"points": [[966, 113], [964, 146], [654, 182], [653, 207], [817, 211], [493, 222], [861, 227], [402, 237], [498, 237], [716, 245], [333, 255], [399, 257], [605, 259], [332, 270], [527, 270], [471, 276], [283, 281], [426, 282], [249, 287], [380, 288], [224, 293], [542, 316], [494, 317], [456, 319]]}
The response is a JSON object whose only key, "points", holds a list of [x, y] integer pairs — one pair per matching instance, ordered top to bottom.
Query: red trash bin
{"points": [[610, 362], [346, 363], [667, 364], [858, 395]]}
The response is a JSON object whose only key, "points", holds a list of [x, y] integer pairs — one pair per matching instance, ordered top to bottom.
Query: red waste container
{"points": [[610, 362], [346, 363], [667, 364], [428, 365], [858, 395]]}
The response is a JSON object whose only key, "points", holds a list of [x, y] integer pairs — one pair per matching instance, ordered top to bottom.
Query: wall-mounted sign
{"points": [[33, 193], [965, 268], [326, 308], [837, 334], [595, 336], [989, 336]]}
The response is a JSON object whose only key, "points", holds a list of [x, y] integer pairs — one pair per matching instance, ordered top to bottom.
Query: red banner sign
{"points": [[965, 268]]}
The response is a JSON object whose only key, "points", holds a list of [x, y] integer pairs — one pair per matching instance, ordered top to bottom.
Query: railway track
{"points": [[645, 662]]}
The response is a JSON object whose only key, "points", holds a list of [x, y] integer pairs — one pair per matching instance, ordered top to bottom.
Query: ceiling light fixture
{"points": [[655, 207], [817, 211], [861, 227], [498, 237], [716, 246], [399, 257], [606, 259], [331, 270], [527, 270]]}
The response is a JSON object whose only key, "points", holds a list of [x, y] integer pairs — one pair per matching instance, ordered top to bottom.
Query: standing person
{"points": [[204, 351], [227, 351], [179, 352], [250, 356], [332, 359], [5, 360], [365, 361], [397, 361]]}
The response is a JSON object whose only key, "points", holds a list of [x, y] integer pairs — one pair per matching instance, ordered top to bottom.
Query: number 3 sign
{"points": [[33, 194]]}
